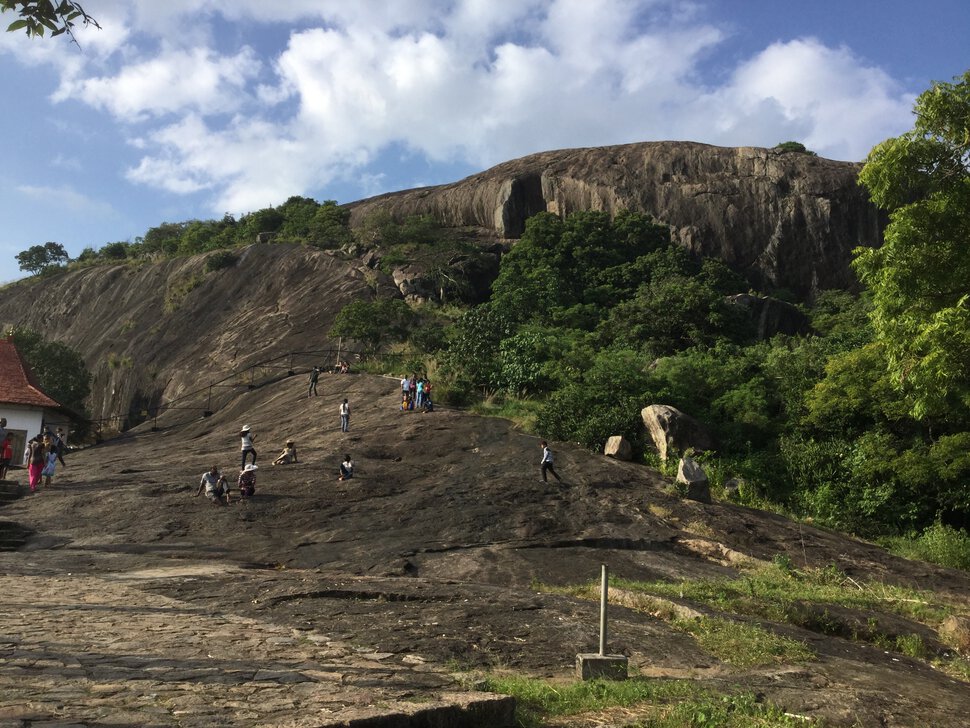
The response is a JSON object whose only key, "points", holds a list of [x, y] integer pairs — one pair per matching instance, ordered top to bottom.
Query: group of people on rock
{"points": [[342, 367], [416, 394], [42, 453], [216, 486]]}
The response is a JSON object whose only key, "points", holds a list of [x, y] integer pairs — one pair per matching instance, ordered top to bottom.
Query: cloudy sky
{"points": [[187, 109]]}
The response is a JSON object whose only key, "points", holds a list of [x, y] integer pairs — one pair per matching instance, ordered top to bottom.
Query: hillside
{"points": [[437, 547]]}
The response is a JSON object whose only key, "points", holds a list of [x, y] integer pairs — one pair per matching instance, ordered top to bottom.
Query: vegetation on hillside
{"points": [[862, 423]]}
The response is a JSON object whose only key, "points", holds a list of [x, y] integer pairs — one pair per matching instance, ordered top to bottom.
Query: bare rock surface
{"points": [[785, 219], [133, 601]]}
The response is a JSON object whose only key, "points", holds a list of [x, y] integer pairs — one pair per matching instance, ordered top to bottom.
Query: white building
{"points": [[25, 406]]}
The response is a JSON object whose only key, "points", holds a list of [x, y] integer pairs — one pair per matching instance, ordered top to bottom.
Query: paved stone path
{"points": [[80, 649]]}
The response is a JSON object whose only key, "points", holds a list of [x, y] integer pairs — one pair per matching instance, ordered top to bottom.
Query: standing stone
{"points": [[670, 430], [617, 447], [690, 473], [732, 489]]}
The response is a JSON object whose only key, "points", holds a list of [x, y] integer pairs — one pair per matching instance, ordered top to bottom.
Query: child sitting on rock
{"points": [[288, 455]]}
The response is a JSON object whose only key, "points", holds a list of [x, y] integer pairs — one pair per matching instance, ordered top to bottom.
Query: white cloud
{"points": [[473, 81], [172, 82], [836, 105]]}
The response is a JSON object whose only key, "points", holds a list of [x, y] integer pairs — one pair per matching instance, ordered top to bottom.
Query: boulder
{"points": [[771, 316], [672, 430], [618, 447], [691, 474], [955, 631]]}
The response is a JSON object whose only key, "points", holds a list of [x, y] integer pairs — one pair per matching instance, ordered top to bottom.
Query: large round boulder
{"points": [[671, 430]]}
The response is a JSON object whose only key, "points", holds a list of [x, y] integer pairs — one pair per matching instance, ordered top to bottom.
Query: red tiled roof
{"points": [[17, 383]]}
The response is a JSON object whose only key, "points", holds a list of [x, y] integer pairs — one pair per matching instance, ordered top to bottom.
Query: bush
{"points": [[219, 260], [938, 544]]}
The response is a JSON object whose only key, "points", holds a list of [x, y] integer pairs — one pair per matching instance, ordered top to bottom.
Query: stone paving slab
{"points": [[79, 649]]}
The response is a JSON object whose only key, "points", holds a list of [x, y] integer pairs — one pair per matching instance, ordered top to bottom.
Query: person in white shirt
{"points": [[345, 417], [247, 437], [545, 465], [346, 468], [215, 484]]}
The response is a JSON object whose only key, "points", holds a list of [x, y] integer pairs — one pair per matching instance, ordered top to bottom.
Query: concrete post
{"points": [[602, 665]]}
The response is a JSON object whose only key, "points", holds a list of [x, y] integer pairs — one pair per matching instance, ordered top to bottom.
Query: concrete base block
{"points": [[592, 666]]}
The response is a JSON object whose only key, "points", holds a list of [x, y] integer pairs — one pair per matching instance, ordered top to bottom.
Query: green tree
{"points": [[39, 16], [794, 147], [38, 258], [920, 277], [374, 323], [59, 369]]}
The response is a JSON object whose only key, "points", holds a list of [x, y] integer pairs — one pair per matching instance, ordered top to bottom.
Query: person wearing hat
{"points": [[247, 438], [288, 455], [247, 481]]}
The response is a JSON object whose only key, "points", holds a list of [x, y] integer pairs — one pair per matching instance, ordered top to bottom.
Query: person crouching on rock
{"points": [[246, 447], [288, 455], [346, 468], [247, 481], [216, 486]]}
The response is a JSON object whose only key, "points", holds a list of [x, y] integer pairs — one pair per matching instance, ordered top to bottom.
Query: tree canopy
{"points": [[39, 16], [38, 258], [920, 277], [60, 370]]}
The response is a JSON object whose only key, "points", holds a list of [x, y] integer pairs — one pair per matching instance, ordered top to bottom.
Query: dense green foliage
{"points": [[40, 16], [794, 147], [298, 220], [40, 258], [920, 277], [374, 323], [59, 369]]}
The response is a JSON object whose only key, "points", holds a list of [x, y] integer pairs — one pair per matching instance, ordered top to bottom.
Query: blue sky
{"points": [[187, 109]]}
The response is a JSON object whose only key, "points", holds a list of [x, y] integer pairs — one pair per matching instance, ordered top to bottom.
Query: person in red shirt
{"points": [[6, 455]]}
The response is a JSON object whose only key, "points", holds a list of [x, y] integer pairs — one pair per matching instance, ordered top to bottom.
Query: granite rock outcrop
{"points": [[784, 219]]}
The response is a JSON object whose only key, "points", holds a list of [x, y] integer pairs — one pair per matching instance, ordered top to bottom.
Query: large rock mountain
{"points": [[785, 219], [153, 332]]}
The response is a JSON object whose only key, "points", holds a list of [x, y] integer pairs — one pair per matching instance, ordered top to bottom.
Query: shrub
{"points": [[219, 260], [938, 544]]}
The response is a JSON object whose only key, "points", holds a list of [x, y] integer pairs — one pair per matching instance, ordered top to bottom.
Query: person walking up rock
{"points": [[314, 376], [345, 417], [545, 465]]}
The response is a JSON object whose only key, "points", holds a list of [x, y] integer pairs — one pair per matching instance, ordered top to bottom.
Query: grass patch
{"points": [[176, 291], [521, 411], [938, 544], [776, 591], [743, 645], [658, 703]]}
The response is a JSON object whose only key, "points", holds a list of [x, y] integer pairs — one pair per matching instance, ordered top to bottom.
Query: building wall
{"points": [[22, 424]]}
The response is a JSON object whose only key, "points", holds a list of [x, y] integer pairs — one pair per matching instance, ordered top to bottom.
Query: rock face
{"points": [[784, 219], [155, 332], [672, 430], [618, 447], [691, 474]]}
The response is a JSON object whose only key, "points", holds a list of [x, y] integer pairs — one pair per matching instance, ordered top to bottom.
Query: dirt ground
{"points": [[436, 544]]}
